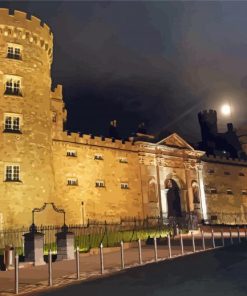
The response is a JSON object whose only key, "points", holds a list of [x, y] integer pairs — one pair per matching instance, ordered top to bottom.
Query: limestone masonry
{"points": [[92, 177]]}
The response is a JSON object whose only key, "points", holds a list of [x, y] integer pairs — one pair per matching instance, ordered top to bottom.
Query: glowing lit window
{"points": [[14, 51], [12, 85], [12, 122], [71, 153], [98, 157], [123, 160], [12, 173], [72, 181], [100, 183], [124, 185], [229, 191]]}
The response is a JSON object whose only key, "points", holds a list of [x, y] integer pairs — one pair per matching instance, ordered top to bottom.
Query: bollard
{"points": [[222, 238], [239, 239], [231, 240], [193, 241], [203, 241], [213, 241], [181, 243], [169, 245], [155, 250], [140, 251], [122, 254], [77, 258], [101, 258], [50, 268], [16, 274]]}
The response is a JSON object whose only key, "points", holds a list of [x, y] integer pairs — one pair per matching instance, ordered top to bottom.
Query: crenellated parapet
{"points": [[30, 30], [90, 140], [224, 160]]}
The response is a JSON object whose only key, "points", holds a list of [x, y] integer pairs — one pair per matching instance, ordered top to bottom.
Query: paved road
{"points": [[219, 272]]}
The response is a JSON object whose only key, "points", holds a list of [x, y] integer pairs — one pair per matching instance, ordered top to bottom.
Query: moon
{"points": [[226, 109]]}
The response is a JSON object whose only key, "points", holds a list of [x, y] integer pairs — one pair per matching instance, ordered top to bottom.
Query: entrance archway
{"points": [[173, 199]]}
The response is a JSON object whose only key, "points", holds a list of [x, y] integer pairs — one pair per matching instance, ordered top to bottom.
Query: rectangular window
{"points": [[14, 51], [12, 85], [12, 122], [71, 153], [98, 157], [123, 160], [210, 171], [12, 173], [226, 173], [241, 174], [72, 181], [100, 183], [124, 185], [213, 190], [229, 191], [244, 192]]}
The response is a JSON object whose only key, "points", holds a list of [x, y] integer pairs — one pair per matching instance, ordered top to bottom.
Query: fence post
{"points": [[222, 238], [239, 239], [231, 240], [193, 241], [203, 241], [213, 241], [181, 243], [169, 245], [155, 250], [140, 251], [122, 254], [101, 258], [77, 263], [50, 268], [16, 274]]}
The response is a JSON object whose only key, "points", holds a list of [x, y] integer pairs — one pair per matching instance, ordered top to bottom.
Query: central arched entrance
{"points": [[173, 199]]}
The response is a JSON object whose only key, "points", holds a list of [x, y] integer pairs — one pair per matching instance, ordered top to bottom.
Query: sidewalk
{"points": [[64, 272]]}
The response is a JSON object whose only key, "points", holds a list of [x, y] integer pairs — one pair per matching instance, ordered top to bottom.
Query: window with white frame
{"points": [[14, 51], [12, 85], [12, 122], [71, 153], [98, 157], [123, 160], [12, 172], [72, 181], [100, 183], [124, 185], [229, 191]]}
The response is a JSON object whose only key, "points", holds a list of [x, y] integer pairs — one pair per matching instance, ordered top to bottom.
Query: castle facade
{"points": [[92, 177]]}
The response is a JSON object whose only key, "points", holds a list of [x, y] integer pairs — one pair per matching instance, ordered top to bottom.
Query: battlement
{"points": [[31, 29], [57, 93], [206, 115], [85, 139], [224, 160]]}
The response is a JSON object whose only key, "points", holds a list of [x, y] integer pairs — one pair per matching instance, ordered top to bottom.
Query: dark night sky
{"points": [[160, 62]]}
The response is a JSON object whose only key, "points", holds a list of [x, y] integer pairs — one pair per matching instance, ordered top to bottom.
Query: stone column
{"points": [[202, 193], [189, 195], [65, 245], [34, 247]]}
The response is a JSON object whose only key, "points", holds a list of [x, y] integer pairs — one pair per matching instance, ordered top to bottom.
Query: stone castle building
{"points": [[92, 177]]}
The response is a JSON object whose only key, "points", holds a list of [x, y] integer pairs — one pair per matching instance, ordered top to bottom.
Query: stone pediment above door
{"points": [[175, 141]]}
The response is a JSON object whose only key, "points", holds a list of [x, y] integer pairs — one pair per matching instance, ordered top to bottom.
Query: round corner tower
{"points": [[26, 176]]}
